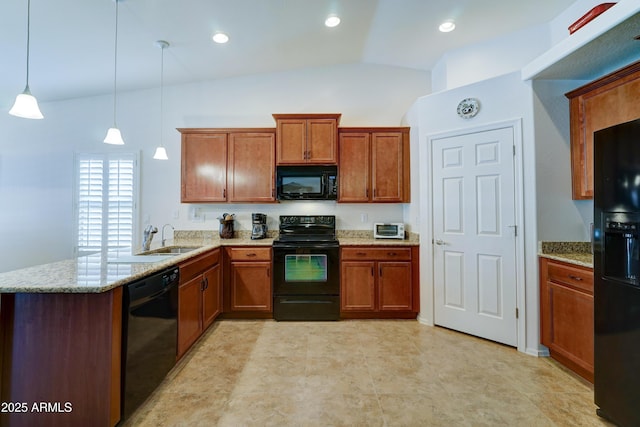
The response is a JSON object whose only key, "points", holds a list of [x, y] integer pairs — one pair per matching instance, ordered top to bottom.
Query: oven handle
{"points": [[286, 301]]}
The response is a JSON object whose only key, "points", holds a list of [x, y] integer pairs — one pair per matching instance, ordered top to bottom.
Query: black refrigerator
{"points": [[616, 263]]}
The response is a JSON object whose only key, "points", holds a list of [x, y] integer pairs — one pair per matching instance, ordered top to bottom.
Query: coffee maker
{"points": [[259, 228]]}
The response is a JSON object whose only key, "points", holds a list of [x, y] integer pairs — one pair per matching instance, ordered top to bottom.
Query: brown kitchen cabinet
{"points": [[605, 102], [306, 138], [228, 165], [374, 165], [379, 282], [248, 288], [199, 297], [566, 314]]}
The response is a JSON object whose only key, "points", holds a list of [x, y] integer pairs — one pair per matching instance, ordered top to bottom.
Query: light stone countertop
{"points": [[578, 253], [100, 272]]}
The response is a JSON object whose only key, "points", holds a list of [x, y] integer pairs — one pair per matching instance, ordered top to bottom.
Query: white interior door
{"points": [[474, 234]]}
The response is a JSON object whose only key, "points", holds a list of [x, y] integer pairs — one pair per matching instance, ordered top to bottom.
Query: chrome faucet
{"points": [[163, 227], [148, 236]]}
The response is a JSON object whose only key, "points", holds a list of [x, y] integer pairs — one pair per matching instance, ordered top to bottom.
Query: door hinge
{"points": [[514, 150], [515, 229], [517, 313]]}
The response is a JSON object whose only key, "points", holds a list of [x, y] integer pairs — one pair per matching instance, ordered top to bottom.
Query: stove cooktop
{"points": [[310, 229]]}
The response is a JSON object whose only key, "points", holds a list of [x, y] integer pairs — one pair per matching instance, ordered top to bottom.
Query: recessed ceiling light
{"points": [[332, 21], [447, 26], [220, 38]]}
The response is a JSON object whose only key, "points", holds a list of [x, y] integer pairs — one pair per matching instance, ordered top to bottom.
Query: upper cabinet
{"points": [[605, 102], [306, 138], [228, 165], [374, 165]]}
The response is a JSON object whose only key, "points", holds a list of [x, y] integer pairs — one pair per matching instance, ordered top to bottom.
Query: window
{"points": [[106, 199]]}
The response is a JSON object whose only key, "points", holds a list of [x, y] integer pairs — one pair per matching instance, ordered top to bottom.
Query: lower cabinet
{"points": [[379, 282], [248, 288], [199, 297], [566, 314]]}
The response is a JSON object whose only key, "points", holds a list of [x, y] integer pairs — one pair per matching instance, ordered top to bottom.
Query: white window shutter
{"points": [[105, 201]]}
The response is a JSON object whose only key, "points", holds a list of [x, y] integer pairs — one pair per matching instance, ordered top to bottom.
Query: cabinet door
{"points": [[607, 101], [615, 106], [291, 141], [321, 141], [387, 163], [355, 164], [204, 168], [251, 169], [250, 285], [357, 286], [394, 286], [211, 296], [189, 313], [571, 324]]}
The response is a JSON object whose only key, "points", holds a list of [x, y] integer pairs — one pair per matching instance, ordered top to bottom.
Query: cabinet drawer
{"points": [[390, 253], [249, 254], [192, 267], [575, 277]]}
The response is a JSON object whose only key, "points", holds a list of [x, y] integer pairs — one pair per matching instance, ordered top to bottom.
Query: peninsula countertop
{"points": [[103, 271]]}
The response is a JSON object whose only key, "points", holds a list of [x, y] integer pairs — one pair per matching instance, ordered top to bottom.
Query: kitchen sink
{"points": [[176, 250]]}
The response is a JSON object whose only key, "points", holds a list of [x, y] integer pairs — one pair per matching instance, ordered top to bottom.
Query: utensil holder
{"points": [[226, 229]]}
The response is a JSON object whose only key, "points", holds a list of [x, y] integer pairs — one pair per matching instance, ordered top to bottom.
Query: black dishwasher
{"points": [[150, 336]]}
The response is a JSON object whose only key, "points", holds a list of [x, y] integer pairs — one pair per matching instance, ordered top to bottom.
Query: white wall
{"points": [[489, 59], [36, 157], [559, 217]]}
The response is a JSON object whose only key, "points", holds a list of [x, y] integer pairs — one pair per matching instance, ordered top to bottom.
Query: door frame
{"points": [[427, 276]]}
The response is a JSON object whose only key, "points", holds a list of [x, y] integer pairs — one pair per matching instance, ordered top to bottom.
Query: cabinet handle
{"points": [[224, 193], [366, 193], [374, 193], [361, 253], [392, 253], [252, 254], [380, 269], [372, 271], [576, 278], [206, 284], [202, 288]]}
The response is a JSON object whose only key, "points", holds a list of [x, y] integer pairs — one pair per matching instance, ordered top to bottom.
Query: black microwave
{"points": [[307, 182]]}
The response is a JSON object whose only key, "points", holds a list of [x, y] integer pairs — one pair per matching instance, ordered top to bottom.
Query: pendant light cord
{"points": [[28, 40], [115, 67], [161, 89]]}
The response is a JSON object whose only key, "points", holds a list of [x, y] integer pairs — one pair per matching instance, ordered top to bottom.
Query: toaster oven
{"points": [[388, 230]]}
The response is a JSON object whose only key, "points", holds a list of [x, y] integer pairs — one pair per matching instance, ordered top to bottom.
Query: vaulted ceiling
{"points": [[72, 41]]}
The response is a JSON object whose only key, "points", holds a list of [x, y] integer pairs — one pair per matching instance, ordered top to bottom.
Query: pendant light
{"points": [[26, 105], [113, 134], [161, 152]]}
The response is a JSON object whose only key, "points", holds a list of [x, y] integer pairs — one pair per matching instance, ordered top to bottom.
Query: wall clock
{"points": [[468, 108]]}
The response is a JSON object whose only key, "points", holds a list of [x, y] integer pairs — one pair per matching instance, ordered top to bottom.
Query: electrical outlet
{"points": [[364, 217]]}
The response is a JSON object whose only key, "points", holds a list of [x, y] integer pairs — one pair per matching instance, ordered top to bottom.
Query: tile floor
{"points": [[362, 373]]}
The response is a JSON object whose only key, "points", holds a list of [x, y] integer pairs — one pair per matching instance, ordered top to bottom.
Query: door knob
{"points": [[440, 242]]}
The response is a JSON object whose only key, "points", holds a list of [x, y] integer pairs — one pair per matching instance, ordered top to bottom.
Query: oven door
{"points": [[306, 271]]}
